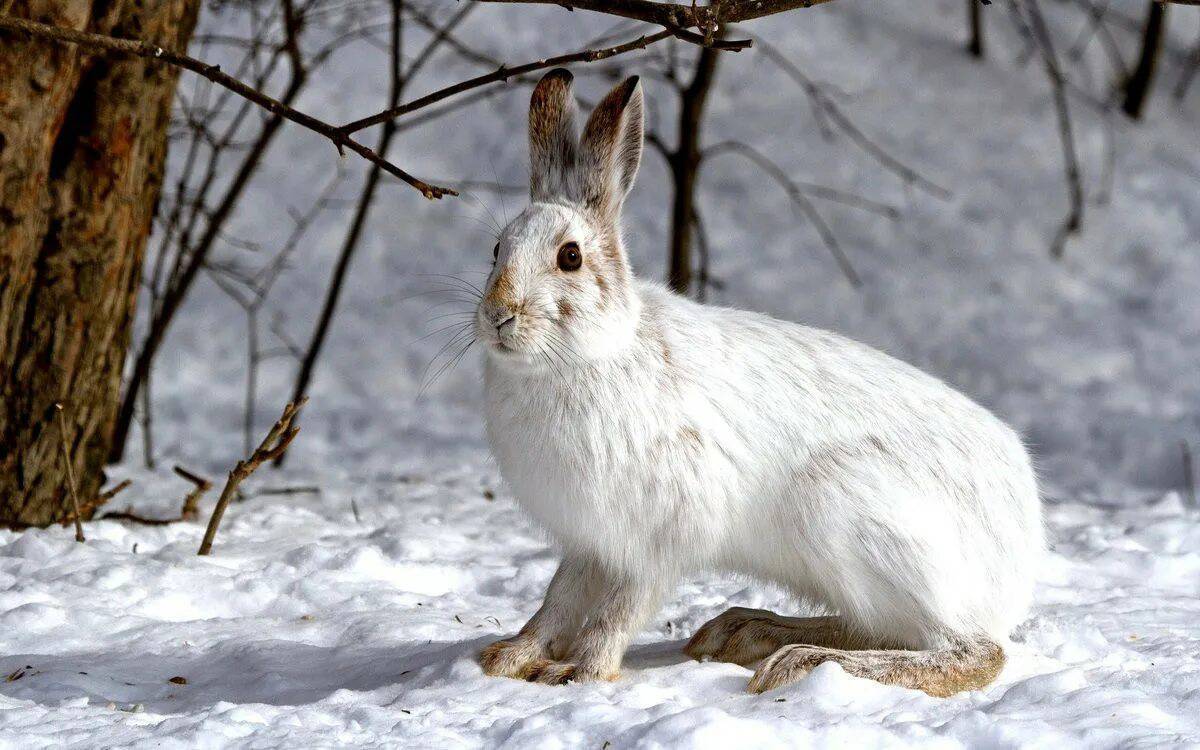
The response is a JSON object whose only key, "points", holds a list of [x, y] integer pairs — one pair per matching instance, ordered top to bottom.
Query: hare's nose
{"points": [[507, 322]]}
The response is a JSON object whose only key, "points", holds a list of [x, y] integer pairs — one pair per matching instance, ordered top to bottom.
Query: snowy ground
{"points": [[351, 616], [308, 628]]}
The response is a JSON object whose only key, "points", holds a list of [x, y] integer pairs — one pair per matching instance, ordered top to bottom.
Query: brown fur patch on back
{"points": [[691, 436]]}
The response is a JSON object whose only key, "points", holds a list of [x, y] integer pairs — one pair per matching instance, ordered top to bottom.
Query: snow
{"points": [[351, 616], [309, 629]]}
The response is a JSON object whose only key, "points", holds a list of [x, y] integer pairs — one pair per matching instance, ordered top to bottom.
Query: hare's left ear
{"points": [[552, 136], [612, 149]]}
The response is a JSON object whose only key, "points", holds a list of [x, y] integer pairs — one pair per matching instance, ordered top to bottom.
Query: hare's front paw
{"points": [[516, 658], [548, 672]]}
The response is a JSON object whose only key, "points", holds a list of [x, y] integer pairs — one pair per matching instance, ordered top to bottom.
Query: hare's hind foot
{"points": [[744, 636], [943, 672]]}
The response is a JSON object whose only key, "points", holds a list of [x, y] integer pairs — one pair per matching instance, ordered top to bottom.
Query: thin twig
{"points": [[708, 18], [1191, 66], [503, 73], [398, 79], [847, 126], [824, 192], [796, 194], [1074, 219], [273, 445], [66, 452], [1189, 473], [304, 489], [100, 500], [191, 502], [188, 513], [129, 515]]}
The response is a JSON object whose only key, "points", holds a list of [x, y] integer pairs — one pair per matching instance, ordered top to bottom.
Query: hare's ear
{"points": [[552, 135], [612, 149]]}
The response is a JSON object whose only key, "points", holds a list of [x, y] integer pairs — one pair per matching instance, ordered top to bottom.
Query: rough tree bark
{"points": [[82, 146]]}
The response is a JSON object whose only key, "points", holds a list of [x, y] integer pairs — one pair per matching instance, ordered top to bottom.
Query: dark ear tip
{"points": [[558, 75], [628, 86]]}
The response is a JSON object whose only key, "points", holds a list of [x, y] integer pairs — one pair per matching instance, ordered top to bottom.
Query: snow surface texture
{"points": [[351, 617]]}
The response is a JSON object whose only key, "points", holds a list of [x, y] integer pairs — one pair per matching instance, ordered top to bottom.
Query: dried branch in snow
{"points": [[273, 445], [66, 453], [191, 501]]}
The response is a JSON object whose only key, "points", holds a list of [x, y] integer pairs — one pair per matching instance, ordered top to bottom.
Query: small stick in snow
{"points": [[272, 446], [66, 451], [1189, 473], [304, 489], [100, 500], [191, 503], [188, 513], [129, 515]]}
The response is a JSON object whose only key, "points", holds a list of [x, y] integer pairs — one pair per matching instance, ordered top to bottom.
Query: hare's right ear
{"points": [[552, 135], [611, 149]]}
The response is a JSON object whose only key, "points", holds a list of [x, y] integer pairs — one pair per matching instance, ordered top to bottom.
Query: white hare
{"points": [[654, 437]]}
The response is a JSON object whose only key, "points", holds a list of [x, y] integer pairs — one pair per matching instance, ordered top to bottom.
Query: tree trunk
{"points": [[1137, 88], [83, 140], [685, 162]]}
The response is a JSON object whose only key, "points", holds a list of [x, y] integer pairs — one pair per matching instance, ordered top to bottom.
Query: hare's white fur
{"points": [[654, 437]]}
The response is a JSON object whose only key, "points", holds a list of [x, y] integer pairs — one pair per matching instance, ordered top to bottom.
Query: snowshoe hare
{"points": [[653, 437]]}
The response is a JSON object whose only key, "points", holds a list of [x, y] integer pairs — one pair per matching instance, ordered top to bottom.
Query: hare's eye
{"points": [[496, 252], [569, 257]]}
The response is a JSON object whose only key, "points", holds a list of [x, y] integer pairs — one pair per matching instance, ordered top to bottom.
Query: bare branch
{"points": [[708, 18], [1045, 45], [1190, 69], [503, 73], [398, 77], [847, 126], [776, 173], [824, 192], [273, 445], [66, 451], [1189, 473], [303, 489], [100, 500], [191, 502], [188, 513], [129, 515]]}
